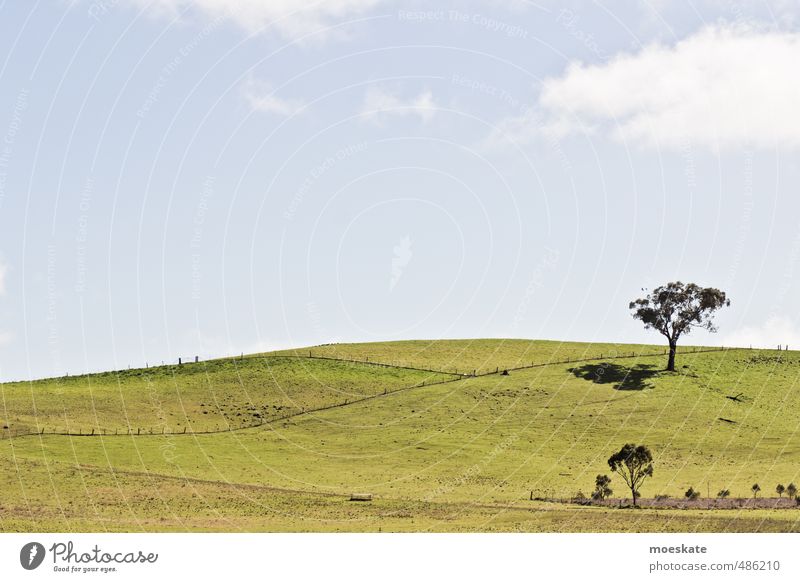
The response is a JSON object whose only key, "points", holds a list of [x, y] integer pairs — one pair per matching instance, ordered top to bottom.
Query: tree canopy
{"points": [[676, 308], [634, 464]]}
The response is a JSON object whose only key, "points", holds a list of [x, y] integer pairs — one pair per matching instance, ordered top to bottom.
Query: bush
{"points": [[601, 487], [724, 493], [580, 498]]}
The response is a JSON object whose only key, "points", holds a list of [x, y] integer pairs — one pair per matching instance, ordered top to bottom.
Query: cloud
{"points": [[291, 18], [725, 86], [262, 98], [379, 104], [400, 260], [776, 330]]}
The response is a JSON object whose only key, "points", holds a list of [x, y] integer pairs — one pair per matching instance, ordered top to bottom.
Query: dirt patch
{"points": [[678, 503]]}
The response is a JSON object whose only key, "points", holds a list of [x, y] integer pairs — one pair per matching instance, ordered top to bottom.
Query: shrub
{"points": [[602, 488], [724, 493], [691, 494], [580, 498]]}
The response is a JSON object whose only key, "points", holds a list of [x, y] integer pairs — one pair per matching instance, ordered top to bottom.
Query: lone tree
{"points": [[675, 308], [634, 464], [602, 487], [755, 489], [780, 489], [791, 490]]}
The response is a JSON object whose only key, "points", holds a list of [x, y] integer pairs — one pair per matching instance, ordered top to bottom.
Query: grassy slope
{"points": [[476, 355], [212, 395], [431, 453], [38, 498]]}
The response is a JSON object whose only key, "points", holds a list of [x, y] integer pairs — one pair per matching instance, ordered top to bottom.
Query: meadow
{"points": [[475, 356], [195, 397], [459, 453]]}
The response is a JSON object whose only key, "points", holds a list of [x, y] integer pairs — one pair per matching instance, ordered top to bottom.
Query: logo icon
{"points": [[31, 555]]}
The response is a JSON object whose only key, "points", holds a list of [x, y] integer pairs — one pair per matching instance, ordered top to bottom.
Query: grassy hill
{"points": [[479, 356], [206, 396], [461, 455]]}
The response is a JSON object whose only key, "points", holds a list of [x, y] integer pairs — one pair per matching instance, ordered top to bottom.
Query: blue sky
{"points": [[207, 178]]}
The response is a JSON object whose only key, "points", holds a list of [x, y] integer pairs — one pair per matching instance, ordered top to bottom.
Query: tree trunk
{"points": [[673, 347], [633, 494]]}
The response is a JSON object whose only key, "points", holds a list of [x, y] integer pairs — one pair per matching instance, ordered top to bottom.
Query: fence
{"points": [[141, 432]]}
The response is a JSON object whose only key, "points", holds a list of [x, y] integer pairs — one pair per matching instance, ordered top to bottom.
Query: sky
{"points": [[206, 178]]}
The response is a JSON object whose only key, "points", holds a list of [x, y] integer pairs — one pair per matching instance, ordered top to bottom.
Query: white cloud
{"points": [[290, 17], [724, 86], [262, 98], [378, 104], [774, 331]]}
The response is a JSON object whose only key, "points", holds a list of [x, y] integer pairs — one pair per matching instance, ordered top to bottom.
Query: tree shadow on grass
{"points": [[624, 377]]}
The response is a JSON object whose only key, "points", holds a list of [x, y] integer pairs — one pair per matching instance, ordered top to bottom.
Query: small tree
{"points": [[675, 308], [634, 464], [602, 488], [755, 489], [780, 489], [791, 490], [724, 493], [691, 494]]}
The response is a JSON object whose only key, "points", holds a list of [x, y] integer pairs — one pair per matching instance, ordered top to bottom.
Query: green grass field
{"points": [[475, 355], [207, 396], [463, 455]]}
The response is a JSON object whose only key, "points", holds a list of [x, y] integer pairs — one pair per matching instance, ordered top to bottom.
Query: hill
{"points": [[463, 455]]}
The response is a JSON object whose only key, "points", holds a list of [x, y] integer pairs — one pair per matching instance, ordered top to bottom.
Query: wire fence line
{"points": [[376, 363], [498, 369], [187, 431]]}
